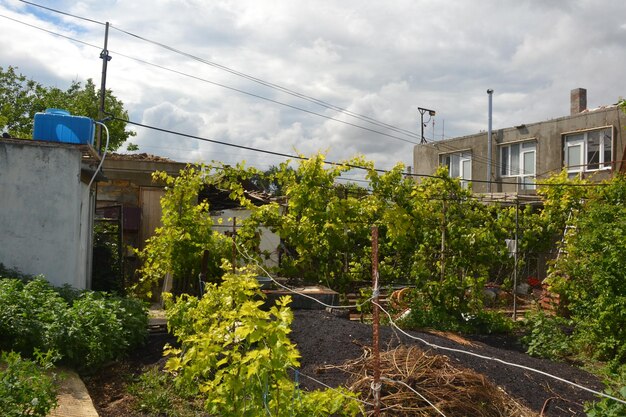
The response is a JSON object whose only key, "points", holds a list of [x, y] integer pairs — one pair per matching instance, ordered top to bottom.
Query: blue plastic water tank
{"points": [[56, 125]]}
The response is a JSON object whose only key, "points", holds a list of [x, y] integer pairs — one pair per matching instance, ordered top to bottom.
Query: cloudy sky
{"points": [[253, 72]]}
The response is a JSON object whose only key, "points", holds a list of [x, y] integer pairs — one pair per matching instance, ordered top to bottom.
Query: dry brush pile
{"points": [[410, 376]]}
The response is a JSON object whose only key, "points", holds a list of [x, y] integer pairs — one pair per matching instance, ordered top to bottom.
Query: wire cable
{"points": [[61, 12], [50, 32], [257, 80], [273, 85], [281, 103], [103, 155], [348, 165], [243, 251], [489, 358], [334, 389]]}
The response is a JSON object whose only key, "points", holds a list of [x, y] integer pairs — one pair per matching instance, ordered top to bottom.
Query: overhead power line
{"points": [[61, 12], [50, 32], [264, 83], [223, 85], [273, 85], [300, 157]]}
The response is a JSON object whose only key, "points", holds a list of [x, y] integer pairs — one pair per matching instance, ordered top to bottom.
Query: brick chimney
{"points": [[578, 100]]}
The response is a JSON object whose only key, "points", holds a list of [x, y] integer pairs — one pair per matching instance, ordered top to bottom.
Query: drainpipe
{"points": [[490, 93]]}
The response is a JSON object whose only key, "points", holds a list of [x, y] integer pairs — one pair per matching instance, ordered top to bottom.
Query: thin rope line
{"points": [[243, 251], [497, 360], [334, 389]]}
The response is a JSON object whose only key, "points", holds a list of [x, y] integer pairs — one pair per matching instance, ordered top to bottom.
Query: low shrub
{"points": [[32, 315], [480, 322], [86, 328], [101, 328], [547, 336], [237, 356], [616, 381], [27, 388], [155, 391]]}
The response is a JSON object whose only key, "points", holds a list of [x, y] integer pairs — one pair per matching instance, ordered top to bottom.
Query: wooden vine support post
{"points": [[234, 245], [376, 322]]}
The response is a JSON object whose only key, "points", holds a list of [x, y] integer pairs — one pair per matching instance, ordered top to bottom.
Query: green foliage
{"points": [[21, 98], [132, 147], [324, 229], [325, 232], [446, 242], [178, 245], [590, 275], [32, 315], [102, 328], [86, 331], [547, 337], [238, 356], [27, 388], [155, 394], [607, 407]]}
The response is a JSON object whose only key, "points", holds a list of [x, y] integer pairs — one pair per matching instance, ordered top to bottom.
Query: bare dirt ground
{"points": [[324, 339]]}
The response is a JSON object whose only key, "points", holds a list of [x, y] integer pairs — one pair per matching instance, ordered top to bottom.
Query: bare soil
{"points": [[325, 339]]}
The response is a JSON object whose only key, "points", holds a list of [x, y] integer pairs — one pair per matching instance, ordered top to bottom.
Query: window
{"points": [[589, 151], [518, 160], [459, 165]]}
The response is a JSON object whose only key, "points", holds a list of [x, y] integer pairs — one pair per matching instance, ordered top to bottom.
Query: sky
{"points": [[290, 76]]}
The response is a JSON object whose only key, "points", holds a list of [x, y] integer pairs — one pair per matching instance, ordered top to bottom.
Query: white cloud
{"points": [[379, 59]]}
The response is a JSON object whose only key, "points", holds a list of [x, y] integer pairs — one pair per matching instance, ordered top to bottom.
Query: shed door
{"points": [[150, 201]]}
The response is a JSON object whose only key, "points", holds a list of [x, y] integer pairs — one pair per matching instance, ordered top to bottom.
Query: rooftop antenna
{"points": [[422, 111]]}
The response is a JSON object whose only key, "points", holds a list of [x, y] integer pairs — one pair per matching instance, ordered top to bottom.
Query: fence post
{"points": [[234, 245], [376, 322]]}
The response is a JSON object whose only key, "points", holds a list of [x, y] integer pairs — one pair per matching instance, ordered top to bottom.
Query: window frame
{"points": [[581, 140], [464, 156], [508, 169]]}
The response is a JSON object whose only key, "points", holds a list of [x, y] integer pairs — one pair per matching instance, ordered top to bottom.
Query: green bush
{"points": [[32, 315], [436, 317], [101, 328], [92, 330], [546, 337], [237, 356], [27, 388]]}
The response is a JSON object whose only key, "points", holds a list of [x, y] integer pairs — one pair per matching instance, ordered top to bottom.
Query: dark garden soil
{"points": [[324, 339]]}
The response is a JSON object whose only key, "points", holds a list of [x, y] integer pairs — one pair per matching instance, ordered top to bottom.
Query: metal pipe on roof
{"points": [[489, 174]]}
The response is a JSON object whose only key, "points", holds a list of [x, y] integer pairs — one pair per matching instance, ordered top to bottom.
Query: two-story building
{"points": [[588, 142]]}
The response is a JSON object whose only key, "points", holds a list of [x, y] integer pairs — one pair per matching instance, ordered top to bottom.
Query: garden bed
{"points": [[324, 339]]}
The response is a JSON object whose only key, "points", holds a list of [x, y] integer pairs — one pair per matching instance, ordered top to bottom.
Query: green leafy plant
{"points": [[178, 245], [589, 276], [101, 328], [93, 329], [546, 337], [238, 356], [27, 388], [155, 394], [606, 407]]}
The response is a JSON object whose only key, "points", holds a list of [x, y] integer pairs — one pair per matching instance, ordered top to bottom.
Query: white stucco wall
{"points": [[45, 212], [269, 241]]}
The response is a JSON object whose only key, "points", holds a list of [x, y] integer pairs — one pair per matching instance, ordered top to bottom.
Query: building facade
{"points": [[589, 143], [47, 209]]}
